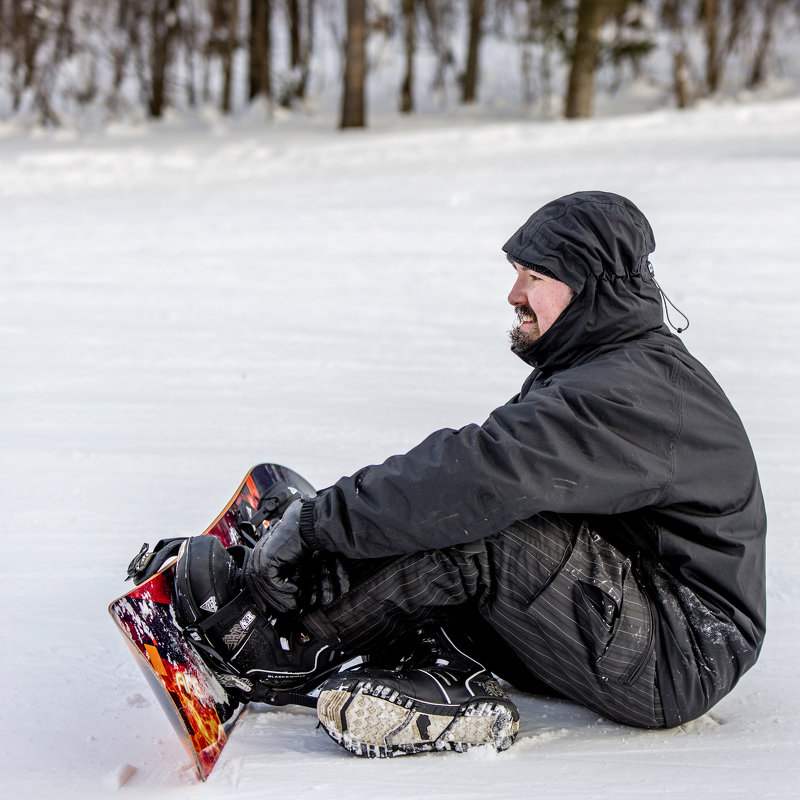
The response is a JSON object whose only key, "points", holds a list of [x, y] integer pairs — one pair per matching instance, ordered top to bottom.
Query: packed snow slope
{"points": [[177, 305]]}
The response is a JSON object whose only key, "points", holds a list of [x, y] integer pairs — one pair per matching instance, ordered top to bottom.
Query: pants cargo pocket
{"points": [[612, 613], [629, 644]]}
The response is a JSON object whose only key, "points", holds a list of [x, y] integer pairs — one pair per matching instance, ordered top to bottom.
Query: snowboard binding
{"points": [[271, 507], [251, 525], [255, 656]]}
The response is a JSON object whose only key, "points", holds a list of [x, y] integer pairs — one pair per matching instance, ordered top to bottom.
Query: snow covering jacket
{"points": [[617, 424]]}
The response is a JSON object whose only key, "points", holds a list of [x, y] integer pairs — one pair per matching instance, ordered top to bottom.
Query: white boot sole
{"points": [[376, 721]]}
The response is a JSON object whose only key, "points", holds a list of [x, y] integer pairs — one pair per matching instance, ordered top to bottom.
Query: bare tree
{"points": [[409, 11], [710, 11], [672, 15], [440, 16], [293, 17], [300, 18], [161, 20], [226, 23], [724, 25], [475, 32], [25, 33], [260, 46], [62, 48], [584, 59], [302, 64], [355, 68], [758, 69]]}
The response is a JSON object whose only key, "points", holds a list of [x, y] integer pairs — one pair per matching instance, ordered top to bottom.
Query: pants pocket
{"points": [[600, 599], [616, 621]]}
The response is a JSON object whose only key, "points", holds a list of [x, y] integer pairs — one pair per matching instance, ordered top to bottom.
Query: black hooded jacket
{"points": [[617, 424]]}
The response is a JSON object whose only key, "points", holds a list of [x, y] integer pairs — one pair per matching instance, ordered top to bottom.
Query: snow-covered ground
{"points": [[176, 306]]}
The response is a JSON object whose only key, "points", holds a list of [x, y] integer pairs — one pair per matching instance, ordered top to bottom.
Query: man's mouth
{"points": [[526, 331]]}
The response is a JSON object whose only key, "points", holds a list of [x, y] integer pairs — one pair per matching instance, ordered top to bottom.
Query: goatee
{"points": [[519, 338]]}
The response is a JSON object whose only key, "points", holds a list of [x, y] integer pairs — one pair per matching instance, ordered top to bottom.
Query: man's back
{"points": [[680, 495]]}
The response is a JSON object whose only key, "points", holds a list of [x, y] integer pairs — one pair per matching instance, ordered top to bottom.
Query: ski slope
{"points": [[177, 305]]}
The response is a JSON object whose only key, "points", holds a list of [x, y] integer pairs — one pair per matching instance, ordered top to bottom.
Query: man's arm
{"points": [[566, 448]]}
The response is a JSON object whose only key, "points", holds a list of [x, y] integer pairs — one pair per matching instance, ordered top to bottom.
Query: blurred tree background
{"points": [[120, 59]]}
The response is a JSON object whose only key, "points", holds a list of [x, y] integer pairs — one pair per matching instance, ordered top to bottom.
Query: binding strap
{"points": [[147, 563], [230, 624]]}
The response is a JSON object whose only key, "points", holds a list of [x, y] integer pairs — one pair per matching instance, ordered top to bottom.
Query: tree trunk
{"points": [[672, 17], [232, 19], [300, 20], [711, 23], [163, 26], [410, 30], [294, 32], [188, 34], [65, 35], [27, 36], [127, 48], [306, 50], [355, 66], [680, 69], [757, 71], [47, 74], [260, 78], [470, 84], [580, 90]]}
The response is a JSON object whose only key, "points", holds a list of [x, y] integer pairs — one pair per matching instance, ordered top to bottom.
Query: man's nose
{"points": [[516, 296]]}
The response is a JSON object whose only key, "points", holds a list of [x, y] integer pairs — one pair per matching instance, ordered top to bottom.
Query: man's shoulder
{"points": [[646, 358]]}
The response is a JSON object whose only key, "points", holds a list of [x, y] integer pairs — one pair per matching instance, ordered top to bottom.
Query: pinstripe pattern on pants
{"points": [[564, 600]]}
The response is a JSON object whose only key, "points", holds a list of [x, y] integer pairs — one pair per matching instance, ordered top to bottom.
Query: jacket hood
{"points": [[598, 244]]}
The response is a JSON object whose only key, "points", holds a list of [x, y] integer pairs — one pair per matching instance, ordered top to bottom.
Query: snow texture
{"points": [[178, 305]]}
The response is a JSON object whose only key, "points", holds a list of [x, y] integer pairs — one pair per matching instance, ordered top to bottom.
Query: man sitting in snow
{"points": [[600, 537]]}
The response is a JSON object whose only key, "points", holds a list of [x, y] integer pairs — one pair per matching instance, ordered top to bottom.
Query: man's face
{"points": [[538, 300]]}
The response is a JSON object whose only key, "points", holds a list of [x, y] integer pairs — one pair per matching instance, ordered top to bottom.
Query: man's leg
{"points": [[564, 600]]}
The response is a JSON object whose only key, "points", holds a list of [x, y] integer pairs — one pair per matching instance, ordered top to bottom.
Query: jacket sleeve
{"points": [[564, 448]]}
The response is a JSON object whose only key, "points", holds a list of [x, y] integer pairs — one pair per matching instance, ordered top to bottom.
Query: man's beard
{"points": [[520, 339]]}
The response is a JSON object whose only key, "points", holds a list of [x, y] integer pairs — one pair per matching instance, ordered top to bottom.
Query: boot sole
{"points": [[372, 720]]}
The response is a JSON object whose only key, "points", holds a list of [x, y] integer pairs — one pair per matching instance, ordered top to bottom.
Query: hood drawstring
{"points": [[668, 303]]}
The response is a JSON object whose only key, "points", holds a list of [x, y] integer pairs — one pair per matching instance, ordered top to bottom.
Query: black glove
{"points": [[273, 569]]}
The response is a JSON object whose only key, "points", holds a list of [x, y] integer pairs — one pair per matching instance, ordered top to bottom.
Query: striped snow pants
{"points": [[546, 604]]}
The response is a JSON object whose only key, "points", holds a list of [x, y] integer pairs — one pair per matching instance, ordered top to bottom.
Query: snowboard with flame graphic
{"points": [[199, 708]]}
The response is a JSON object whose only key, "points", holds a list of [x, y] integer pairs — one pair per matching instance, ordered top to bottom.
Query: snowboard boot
{"points": [[255, 657], [437, 698]]}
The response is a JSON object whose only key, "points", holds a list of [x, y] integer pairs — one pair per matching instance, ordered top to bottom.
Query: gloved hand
{"points": [[273, 569]]}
